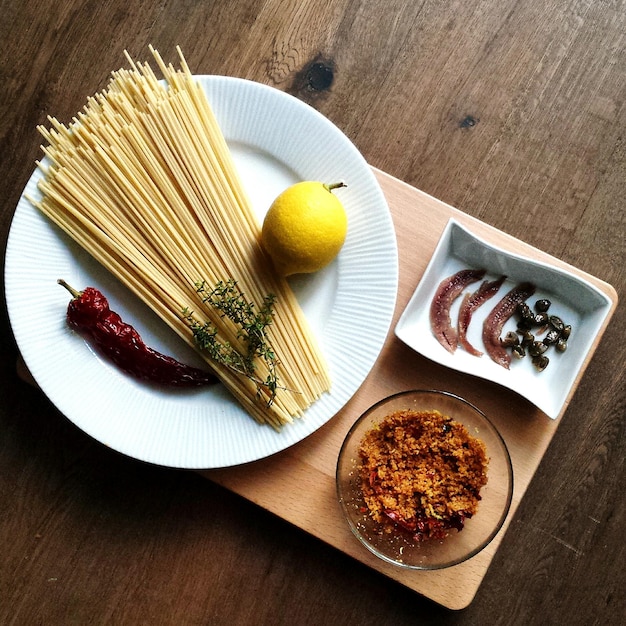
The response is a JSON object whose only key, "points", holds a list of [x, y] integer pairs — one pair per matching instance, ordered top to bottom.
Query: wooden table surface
{"points": [[514, 112]]}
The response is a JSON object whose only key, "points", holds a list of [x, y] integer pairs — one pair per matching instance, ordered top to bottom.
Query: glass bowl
{"points": [[399, 546]]}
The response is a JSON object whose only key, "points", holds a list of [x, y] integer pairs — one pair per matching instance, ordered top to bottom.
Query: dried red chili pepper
{"points": [[88, 312]]}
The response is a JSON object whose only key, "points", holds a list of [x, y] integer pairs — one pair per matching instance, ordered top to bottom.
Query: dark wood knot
{"points": [[319, 76], [314, 80], [469, 121]]}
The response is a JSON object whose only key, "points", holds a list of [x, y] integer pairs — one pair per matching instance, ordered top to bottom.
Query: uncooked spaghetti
{"points": [[143, 180]]}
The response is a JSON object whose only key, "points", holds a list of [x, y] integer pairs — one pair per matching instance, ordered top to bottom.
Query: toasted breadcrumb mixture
{"points": [[422, 472]]}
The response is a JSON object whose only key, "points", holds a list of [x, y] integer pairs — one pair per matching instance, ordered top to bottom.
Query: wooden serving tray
{"points": [[298, 484]]}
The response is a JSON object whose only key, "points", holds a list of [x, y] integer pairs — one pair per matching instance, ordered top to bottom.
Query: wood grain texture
{"points": [[514, 112]]}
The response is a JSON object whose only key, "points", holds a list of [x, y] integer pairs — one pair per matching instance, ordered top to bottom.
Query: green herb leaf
{"points": [[252, 325]]}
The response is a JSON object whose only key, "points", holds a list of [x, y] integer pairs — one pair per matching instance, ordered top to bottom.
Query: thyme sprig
{"points": [[252, 325]]}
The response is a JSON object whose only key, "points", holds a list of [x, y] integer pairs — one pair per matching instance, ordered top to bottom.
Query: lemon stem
{"points": [[335, 186]]}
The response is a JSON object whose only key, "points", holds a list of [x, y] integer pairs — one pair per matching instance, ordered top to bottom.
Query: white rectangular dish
{"points": [[576, 301]]}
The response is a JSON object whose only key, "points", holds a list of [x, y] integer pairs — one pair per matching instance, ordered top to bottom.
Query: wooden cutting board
{"points": [[298, 484]]}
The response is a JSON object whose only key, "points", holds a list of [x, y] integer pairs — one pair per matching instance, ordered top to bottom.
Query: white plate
{"points": [[276, 140], [573, 299]]}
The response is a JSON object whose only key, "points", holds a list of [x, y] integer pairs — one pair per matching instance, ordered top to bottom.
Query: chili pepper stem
{"points": [[75, 294]]}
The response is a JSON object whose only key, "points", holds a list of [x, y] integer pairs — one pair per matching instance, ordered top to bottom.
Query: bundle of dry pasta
{"points": [[143, 180]]}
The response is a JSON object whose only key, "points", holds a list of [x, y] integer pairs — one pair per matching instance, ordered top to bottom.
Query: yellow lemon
{"points": [[305, 228]]}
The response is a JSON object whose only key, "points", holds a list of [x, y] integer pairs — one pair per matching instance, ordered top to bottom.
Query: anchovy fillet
{"points": [[448, 291], [470, 303], [495, 321]]}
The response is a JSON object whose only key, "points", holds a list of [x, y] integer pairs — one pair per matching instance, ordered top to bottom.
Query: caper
{"points": [[541, 306], [525, 312], [541, 319], [557, 323], [565, 333], [551, 337], [527, 338], [510, 339], [561, 345], [537, 348], [518, 351], [541, 362]]}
